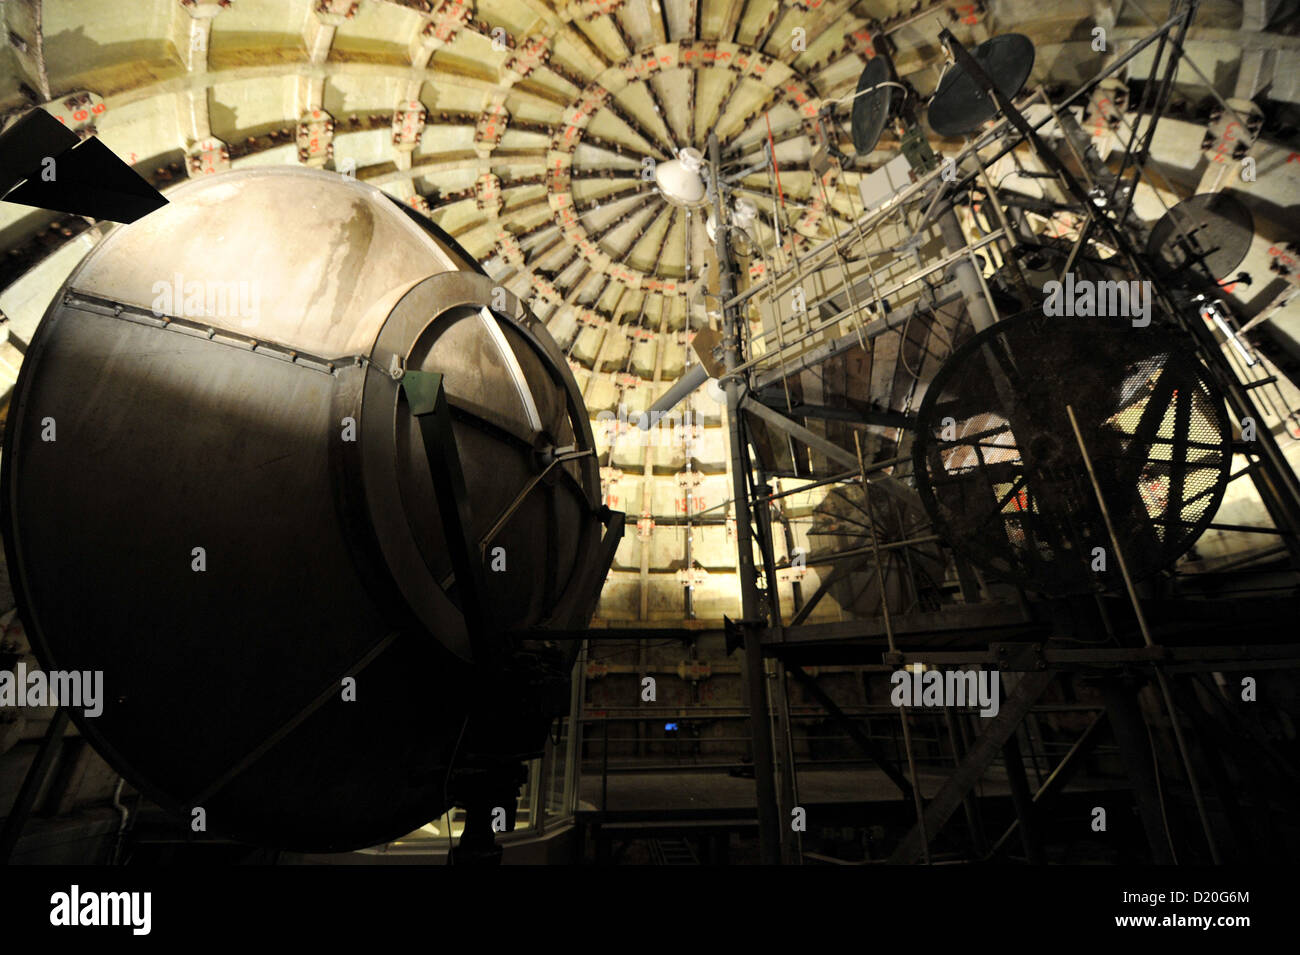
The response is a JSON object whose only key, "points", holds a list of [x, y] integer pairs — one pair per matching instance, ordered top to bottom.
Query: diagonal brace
{"points": [[973, 767]]}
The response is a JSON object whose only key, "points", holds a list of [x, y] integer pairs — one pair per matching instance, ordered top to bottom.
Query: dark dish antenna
{"points": [[875, 102], [960, 106], [1201, 240]]}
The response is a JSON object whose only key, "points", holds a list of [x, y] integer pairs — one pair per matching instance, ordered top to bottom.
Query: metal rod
{"points": [[1135, 749]]}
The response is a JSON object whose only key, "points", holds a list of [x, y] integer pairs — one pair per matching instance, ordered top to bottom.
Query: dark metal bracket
{"points": [[427, 400], [615, 524]]}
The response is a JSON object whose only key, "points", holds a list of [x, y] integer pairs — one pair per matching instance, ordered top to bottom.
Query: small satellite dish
{"points": [[872, 105], [960, 105], [1218, 229]]}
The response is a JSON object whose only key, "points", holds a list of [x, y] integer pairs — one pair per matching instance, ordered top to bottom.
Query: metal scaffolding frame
{"points": [[1009, 638]]}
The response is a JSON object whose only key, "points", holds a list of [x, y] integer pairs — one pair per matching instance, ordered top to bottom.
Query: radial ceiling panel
{"points": [[249, 18], [81, 36], [357, 93], [244, 106], [139, 130]]}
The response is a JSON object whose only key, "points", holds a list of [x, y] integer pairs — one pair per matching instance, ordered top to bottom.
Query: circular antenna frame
{"points": [[999, 469]]}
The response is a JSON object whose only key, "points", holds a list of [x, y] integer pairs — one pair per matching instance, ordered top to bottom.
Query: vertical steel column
{"points": [[755, 677], [573, 745], [1135, 749], [604, 763], [1022, 800], [978, 842], [791, 844]]}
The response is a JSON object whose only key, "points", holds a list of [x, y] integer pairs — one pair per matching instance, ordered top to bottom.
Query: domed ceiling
{"points": [[530, 131]]}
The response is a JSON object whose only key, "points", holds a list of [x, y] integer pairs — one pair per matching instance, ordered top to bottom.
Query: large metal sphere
{"points": [[220, 375]]}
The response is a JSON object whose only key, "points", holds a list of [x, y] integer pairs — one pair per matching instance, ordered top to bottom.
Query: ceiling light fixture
{"points": [[679, 179]]}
